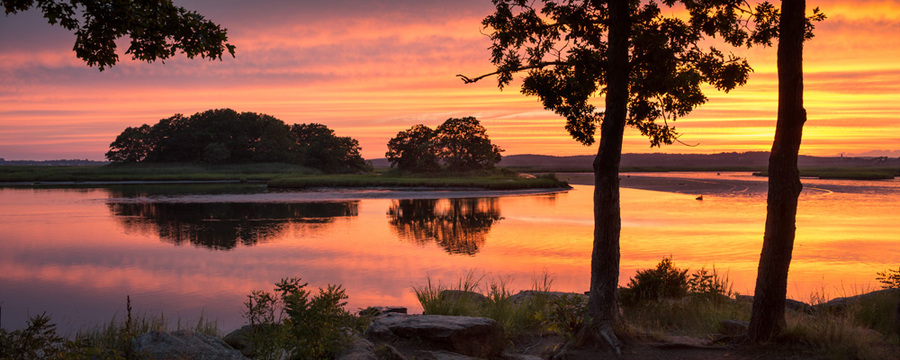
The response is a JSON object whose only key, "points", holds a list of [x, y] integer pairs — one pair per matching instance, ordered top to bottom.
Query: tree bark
{"points": [[602, 304], [767, 318]]}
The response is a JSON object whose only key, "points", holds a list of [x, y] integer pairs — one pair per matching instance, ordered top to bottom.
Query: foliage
{"points": [[157, 29], [563, 48], [225, 136], [457, 145], [462, 145], [319, 148], [411, 150], [889, 279], [665, 281], [710, 284], [294, 320], [39, 339]]}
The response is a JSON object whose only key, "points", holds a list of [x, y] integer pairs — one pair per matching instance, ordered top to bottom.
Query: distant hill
{"points": [[757, 160], [724, 161]]}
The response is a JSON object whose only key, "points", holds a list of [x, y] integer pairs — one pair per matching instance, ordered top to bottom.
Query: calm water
{"points": [[185, 251]]}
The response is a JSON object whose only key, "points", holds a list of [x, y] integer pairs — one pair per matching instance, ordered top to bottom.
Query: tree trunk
{"points": [[602, 304], [767, 317]]}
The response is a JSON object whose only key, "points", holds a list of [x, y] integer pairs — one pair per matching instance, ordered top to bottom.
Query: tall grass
{"points": [[477, 295]]}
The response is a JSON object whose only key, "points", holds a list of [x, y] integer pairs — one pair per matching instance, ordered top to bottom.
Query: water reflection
{"points": [[221, 226], [460, 226]]}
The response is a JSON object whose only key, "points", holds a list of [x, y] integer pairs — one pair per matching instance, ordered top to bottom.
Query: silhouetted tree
{"points": [[157, 29], [649, 66], [226, 136], [462, 144], [132, 145], [321, 149], [412, 150], [767, 318]]}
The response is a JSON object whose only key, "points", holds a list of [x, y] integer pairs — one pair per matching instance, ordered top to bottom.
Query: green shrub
{"points": [[665, 281], [294, 321]]}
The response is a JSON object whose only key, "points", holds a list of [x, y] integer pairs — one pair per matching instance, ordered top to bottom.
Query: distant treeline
{"points": [[224, 136]]}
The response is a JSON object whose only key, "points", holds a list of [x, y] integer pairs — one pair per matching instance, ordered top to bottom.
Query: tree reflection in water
{"points": [[221, 226], [460, 226]]}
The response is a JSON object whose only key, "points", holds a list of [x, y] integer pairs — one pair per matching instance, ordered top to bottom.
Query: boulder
{"points": [[461, 295], [381, 310], [733, 327], [471, 336], [183, 345], [359, 349]]}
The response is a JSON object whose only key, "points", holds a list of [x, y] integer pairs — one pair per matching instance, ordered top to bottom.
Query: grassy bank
{"points": [[150, 172], [881, 173], [283, 176], [493, 182]]}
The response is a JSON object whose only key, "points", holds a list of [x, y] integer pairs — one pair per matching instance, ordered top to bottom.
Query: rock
{"points": [[460, 295], [526, 295], [789, 304], [841, 304], [798, 306], [381, 310], [733, 327], [471, 336], [184, 345], [359, 349], [387, 352], [443, 355]]}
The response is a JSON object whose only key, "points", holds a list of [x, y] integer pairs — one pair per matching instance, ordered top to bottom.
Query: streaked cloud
{"points": [[371, 69]]}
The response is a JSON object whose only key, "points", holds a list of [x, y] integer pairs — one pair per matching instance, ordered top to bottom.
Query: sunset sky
{"points": [[368, 69]]}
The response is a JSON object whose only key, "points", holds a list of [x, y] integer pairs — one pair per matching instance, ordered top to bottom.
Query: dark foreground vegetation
{"points": [[662, 305]]}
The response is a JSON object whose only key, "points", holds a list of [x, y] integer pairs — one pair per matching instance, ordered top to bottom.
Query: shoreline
{"points": [[720, 184]]}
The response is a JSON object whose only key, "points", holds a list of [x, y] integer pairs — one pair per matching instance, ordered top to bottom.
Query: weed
{"points": [[889, 279]]}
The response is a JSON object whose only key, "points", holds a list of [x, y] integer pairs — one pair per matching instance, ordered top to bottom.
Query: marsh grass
{"points": [[151, 172], [489, 182], [517, 315], [113, 340]]}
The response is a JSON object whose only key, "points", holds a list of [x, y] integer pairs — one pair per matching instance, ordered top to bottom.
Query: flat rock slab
{"points": [[470, 336], [184, 345]]}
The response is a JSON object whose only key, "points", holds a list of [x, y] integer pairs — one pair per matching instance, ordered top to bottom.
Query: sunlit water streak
{"points": [[76, 253]]}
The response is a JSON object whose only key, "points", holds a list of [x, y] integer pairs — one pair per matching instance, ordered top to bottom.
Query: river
{"points": [[187, 251]]}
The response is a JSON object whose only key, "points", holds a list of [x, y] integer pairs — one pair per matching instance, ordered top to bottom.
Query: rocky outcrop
{"points": [[789, 304], [840, 304], [470, 336], [183, 345], [359, 349]]}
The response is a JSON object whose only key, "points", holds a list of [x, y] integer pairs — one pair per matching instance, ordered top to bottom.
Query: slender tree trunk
{"points": [[607, 219], [767, 317]]}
